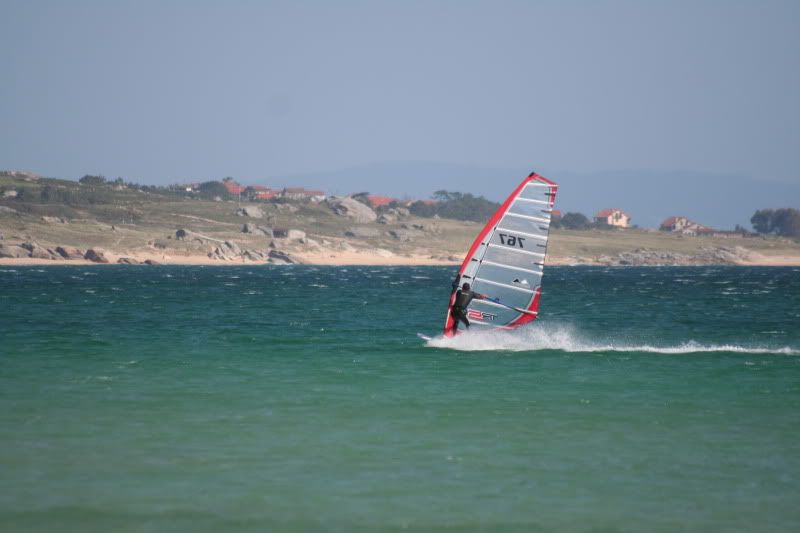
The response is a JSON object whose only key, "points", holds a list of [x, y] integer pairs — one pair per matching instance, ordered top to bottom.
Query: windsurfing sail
{"points": [[506, 261]]}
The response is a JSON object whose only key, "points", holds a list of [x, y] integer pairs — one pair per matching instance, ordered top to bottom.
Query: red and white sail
{"points": [[506, 261]]}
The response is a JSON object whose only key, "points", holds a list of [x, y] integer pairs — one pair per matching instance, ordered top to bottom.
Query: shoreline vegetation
{"points": [[47, 222]]}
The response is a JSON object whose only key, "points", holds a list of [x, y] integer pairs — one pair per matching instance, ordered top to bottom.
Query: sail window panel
{"points": [[536, 192], [530, 209], [524, 225], [507, 255], [510, 276], [507, 295], [496, 316]]}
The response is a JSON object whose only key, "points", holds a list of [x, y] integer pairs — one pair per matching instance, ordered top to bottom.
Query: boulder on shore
{"points": [[347, 207], [250, 211], [393, 214], [253, 229], [401, 234], [13, 251], [37, 251], [227, 251], [69, 252], [95, 255], [254, 255], [278, 257], [127, 261]]}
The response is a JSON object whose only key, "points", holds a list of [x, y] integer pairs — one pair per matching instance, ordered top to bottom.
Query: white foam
{"points": [[565, 338]]}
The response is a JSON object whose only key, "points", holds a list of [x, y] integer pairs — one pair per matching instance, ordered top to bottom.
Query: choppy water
{"points": [[300, 399]]}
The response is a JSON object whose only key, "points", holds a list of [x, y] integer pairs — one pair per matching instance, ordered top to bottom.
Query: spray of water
{"points": [[565, 338]]}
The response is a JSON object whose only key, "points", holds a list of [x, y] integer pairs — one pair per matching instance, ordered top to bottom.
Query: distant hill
{"points": [[648, 196]]}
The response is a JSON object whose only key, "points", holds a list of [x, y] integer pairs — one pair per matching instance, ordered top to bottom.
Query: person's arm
{"points": [[480, 296]]}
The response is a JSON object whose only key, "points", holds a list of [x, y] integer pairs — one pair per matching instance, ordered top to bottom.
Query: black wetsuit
{"points": [[459, 311]]}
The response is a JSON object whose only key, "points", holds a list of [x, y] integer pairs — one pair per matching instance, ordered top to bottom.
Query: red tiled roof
{"points": [[233, 187], [314, 192], [377, 201], [605, 213], [672, 220]]}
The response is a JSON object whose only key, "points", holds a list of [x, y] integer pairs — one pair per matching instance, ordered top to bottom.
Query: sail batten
{"points": [[521, 199], [528, 217], [518, 232], [518, 251], [506, 259], [501, 265]]}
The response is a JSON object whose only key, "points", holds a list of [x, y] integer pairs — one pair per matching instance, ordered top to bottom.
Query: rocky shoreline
{"points": [[338, 231], [303, 250]]}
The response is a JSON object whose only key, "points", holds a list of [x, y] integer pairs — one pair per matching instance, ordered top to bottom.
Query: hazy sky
{"points": [[168, 91]]}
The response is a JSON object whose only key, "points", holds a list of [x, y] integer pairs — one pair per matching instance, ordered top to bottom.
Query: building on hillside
{"points": [[27, 175], [232, 186], [259, 192], [293, 193], [299, 193], [315, 195], [376, 201], [409, 203], [555, 215], [613, 217], [675, 224], [684, 226]]}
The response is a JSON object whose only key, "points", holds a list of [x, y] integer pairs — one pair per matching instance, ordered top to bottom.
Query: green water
{"points": [[300, 399]]}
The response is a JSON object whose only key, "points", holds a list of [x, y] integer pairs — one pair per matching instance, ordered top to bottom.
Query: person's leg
{"points": [[454, 316]]}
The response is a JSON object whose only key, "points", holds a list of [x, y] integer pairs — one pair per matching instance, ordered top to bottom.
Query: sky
{"points": [[168, 91]]}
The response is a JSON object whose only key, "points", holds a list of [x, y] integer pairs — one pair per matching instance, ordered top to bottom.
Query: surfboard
{"points": [[506, 260]]}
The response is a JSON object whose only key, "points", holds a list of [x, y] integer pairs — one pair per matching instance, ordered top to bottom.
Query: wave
{"points": [[562, 338]]}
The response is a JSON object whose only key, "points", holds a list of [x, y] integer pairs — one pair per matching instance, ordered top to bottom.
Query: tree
{"points": [[93, 180], [211, 189], [457, 205], [422, 209], [762, 220], [575, 221], [784, 221]]}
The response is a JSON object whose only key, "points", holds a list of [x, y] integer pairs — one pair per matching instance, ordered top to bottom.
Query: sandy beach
{"points": [[334, 258], [344, 258]]}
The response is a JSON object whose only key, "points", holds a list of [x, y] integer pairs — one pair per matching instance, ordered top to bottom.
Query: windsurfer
{"points": [[464, 296]]}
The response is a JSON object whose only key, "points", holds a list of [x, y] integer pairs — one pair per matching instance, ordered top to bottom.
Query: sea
{"points": [[299, 398]]}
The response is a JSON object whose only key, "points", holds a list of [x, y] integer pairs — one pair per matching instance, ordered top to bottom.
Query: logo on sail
{"points": [[479, 315]]}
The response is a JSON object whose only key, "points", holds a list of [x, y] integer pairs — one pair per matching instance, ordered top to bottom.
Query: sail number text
{"points": [[511, 240]]}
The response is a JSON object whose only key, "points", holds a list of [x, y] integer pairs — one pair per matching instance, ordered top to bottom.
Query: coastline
{"points": [[335, 258], [370, 258]]}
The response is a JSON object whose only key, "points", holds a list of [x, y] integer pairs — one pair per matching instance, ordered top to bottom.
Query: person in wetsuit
{"points": [[464, 296]]}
